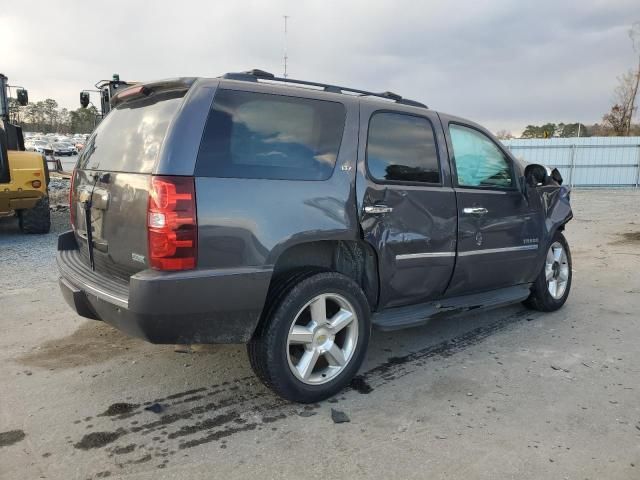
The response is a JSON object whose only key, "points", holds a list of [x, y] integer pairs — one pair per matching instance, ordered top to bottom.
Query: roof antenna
{"points": [[286, 17]]}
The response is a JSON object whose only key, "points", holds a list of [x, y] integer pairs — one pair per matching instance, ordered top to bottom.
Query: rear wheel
{"points": [[36, 219], [551, 288], [314, 337]]}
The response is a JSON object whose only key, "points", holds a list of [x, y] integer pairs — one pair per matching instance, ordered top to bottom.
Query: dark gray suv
{"points": [[293, 216]]}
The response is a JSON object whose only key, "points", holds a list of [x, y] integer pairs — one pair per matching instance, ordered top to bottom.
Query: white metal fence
{"points": [[585, 162]]}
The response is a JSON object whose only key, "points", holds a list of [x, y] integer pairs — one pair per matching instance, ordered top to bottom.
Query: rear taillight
{"points": [[72, 207], [172, 227]]}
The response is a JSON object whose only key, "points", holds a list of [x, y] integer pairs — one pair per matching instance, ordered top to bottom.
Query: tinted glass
{"points": [[256, 135], [130, 136], [402, 148], [479, 162]]}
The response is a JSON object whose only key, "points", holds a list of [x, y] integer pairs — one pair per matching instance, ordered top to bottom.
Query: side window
{"points": [[256, 135], [402, 148], [479, 162]]}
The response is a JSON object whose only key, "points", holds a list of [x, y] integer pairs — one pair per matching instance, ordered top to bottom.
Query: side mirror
{"points": [[23, 97], [84, 99], [535, 174], [555, 174]]}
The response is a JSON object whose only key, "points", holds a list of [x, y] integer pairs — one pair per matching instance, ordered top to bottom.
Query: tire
{"points": [[36, 219], [558, 269], [300, 358]]}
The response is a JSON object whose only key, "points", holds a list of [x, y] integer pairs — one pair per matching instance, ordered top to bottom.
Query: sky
{"points": [[504, 64]]}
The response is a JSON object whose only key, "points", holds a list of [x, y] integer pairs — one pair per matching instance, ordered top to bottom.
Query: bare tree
{"points": [[634, 35], [624, 96], [619, 117], [504, 135]]}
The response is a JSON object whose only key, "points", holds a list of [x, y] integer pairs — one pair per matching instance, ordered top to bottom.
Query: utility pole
{"points": [[286, 17]]}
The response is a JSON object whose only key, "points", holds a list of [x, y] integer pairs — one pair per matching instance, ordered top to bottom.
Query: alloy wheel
{"points": [[556, 270], [322, 339]]}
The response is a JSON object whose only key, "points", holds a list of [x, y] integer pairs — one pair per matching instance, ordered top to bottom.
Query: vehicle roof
{"points": [[279, 86], [276, 87], [317, 93]]}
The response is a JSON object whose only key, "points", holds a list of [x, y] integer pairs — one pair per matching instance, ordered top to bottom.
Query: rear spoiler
{"points": [[146, 89]]}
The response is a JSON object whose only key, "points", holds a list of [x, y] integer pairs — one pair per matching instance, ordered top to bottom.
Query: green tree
{"points": [[50, 110], [15, 111], [83, 120], [547, 130], [567, 130], [532, 131]]}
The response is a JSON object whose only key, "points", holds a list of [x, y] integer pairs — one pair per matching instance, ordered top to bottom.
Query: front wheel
{"points": [[551, 288], [314, 337]]}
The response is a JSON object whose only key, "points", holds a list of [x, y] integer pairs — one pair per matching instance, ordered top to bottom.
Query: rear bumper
{"points": [[199, 306]]}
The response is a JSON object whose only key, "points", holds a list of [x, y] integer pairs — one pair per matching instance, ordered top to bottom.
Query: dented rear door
{"points": [[407, 206]]}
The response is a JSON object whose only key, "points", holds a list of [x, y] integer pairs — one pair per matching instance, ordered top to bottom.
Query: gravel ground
{"points": [[58, 192], [497, 395]]}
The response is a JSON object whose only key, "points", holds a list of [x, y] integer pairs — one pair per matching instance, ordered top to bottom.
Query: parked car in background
{"points": [[40, 142], [38, 146], [71, 146], [62, 149], [367, 210]]}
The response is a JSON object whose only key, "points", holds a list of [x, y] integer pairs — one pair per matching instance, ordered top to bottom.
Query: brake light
{"points": [[131, 92], [72, 207], [172, 226]]}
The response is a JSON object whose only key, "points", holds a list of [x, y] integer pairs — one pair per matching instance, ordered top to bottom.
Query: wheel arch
{"points": [[352, 258]]}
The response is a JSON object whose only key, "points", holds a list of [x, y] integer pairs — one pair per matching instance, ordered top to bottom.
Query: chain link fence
{"points": [[585, 162]]}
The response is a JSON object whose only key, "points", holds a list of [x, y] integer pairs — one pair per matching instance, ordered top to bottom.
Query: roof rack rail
{"points": [[256, 74]]}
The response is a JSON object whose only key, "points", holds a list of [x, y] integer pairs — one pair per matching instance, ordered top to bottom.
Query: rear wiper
{"points": [[87, 219]]}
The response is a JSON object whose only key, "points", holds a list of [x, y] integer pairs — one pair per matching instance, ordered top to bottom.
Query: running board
{"points": [[416, 315]]}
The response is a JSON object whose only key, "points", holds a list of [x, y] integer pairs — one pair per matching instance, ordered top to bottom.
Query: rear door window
{"points": [[256, 135], [130, 137], [402, 148]]}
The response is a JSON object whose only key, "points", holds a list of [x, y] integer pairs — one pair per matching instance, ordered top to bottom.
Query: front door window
{"points": [[478, 161]]}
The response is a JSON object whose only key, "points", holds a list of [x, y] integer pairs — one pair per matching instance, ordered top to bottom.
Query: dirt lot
{"points": [[505, 394]]}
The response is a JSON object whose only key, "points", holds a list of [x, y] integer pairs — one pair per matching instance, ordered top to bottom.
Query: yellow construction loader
{"points": [[24, 176]]}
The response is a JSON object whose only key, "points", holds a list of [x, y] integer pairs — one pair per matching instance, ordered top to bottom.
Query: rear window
{"points": [[256, 135], [130, 137]]}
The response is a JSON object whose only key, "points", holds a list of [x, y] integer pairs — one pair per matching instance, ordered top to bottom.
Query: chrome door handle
{"points": [[377, 209], [476, 211]]}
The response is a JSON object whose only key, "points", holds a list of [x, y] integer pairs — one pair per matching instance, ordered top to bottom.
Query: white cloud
{"points": [[501, 63]]}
